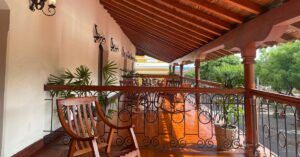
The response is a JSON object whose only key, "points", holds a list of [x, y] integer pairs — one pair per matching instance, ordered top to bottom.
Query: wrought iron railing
{"points": [[162, 80], [202, 83], [168, 116], [278, 124]]}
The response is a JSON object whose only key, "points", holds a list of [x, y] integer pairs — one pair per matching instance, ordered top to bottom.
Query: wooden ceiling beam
{"points": [[246, 5], [219, 11], [199, 14], [149, 17], [161, 17], [186, 18], [153, 28], [264, 28], [168, 32], [145, 33], [288, 37], [185, 40], [151, 42], [156, 51], [226, 51], [218, 54], [154, 55], [214, 55], [208, 57]]}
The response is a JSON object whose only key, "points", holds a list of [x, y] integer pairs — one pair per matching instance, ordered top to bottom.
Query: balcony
{"points": [[172, 115], [168, 119]]}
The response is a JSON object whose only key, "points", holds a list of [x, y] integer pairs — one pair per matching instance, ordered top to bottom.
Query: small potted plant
{"points": [[129, 74], [226, 131]]}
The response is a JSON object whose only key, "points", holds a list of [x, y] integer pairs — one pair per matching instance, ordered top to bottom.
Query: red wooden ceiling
{"points": [[170, 29]]}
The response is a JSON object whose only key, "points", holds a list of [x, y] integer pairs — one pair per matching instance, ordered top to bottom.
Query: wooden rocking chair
{"points": [[78, 117]]}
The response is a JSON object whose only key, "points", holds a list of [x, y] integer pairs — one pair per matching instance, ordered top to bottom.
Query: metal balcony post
{"points": [[181, 73], [197, 81]]}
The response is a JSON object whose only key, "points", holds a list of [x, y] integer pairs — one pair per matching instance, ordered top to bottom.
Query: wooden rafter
{"points": [[246, 5], [199, 14], [226, 14], [165, 18], [185, 18], [274, 20], [140, 22], [161, 22], [154, 29], [170, 29], [145, 30], [154, 37], [154, 44], [153, 54]]}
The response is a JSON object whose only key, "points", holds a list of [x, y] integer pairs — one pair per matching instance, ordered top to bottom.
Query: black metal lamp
{"points": [[40, 5], [98, 38], [113, 47]]}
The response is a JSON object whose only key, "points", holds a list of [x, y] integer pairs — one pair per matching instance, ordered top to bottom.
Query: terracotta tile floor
{"points": [[57, 149]]}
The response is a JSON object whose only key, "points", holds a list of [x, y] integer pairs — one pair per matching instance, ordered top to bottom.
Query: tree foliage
{"points": [[279, 67], [227, 70]]}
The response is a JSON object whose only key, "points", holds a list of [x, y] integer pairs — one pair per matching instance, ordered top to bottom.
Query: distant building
{"points": [[149, 65]]}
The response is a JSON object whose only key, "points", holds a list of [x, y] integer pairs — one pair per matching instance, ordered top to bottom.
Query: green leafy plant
{"points": [[109, 73], [129, 73], [81, 76], [110, 79], [231, 112]]}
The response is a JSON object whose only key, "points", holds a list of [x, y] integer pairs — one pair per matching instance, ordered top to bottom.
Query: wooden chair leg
{"points": [[109, 140], [135, 141], [72, 148], [95, 148]]}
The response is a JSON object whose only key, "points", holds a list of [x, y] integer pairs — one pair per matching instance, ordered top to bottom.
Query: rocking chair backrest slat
{"points": [[76, 116], [94, 126]]}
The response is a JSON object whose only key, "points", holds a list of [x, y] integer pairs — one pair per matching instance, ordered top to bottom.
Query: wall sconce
{"points": [[40, 4], [97, 37], [113, 47], [123, 52], [128, 55]]}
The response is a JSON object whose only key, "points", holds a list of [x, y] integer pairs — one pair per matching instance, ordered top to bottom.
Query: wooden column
{"points": [[248, 55], [181, 72], [197, 81]]}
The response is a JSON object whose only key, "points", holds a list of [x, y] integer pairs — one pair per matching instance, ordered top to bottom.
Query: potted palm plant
{"points": [[81, 76], [226, 130]]}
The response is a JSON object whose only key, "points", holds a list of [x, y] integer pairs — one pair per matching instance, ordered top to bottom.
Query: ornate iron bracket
{"points": [[98, 38], [113, 46]]}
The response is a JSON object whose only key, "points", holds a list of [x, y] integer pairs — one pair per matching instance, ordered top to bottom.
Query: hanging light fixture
{"points": [[40, 5]]}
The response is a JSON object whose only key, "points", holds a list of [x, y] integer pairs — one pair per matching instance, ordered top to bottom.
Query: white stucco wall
{"points": [[40, 45]]}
